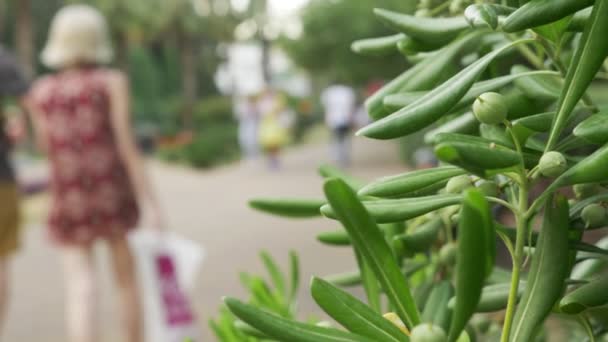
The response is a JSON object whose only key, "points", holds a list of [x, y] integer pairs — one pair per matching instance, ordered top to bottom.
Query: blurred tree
{"points": [[258, 11], [141, 27], [329, 27]]}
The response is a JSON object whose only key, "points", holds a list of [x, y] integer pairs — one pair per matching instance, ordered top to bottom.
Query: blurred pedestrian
{"points": [[14, 85], [339, 102], [248, 115], [274, 126], [98, 181]]}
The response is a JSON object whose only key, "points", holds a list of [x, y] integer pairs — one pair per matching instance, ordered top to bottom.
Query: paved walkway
{"points": [[209, 207]]}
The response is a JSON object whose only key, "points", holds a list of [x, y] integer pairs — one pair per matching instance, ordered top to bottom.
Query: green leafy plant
{"points": [[515, 118], [279, 295]]}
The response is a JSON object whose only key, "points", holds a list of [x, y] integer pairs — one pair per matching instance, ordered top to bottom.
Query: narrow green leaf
{"points": [[540, 12], [578, 21], [432, 30], [554, 31], [381, 46], [409, 46], [587, 60], [423, 76], [539, 86], [397, 101], [433, 105], [463, 124], [594, 128], [475, 154], [592, 169], [330, 171], [395, 186], [288, 207], [399, 210], [339, 237], [421, 239], [370, 242], [475, 258], [586, 269], [294, 271], [548, 272], [278, 278], [353, 278], [370, 284], [587, 296], [494, 297], [436, 309], [353, 314], [249, 330], [286, 330]]}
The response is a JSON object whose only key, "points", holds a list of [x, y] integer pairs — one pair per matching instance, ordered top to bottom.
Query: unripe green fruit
{"points": [[490, 108], [552, 164], [458, 184], [488, 188], [586, 190], [594, 215], [447, 254], [426, 332]]}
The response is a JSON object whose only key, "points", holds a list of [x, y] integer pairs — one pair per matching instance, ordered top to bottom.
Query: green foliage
{"points": [[324, 47], [215, 136], [426, 240], [277, 295]]}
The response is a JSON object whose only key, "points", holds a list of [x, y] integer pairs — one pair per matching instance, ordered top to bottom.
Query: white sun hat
{"points": [[78, 34]]}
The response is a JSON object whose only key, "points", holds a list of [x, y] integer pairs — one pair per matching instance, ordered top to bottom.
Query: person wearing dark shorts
{"points": [[13, 85]]}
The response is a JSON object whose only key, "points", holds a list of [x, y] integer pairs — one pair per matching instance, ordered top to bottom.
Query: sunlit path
{"points": [[209, 207]]}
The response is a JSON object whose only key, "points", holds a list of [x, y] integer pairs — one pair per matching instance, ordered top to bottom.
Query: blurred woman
{"points": [[12, 84], [82, 118], [276, 121]]}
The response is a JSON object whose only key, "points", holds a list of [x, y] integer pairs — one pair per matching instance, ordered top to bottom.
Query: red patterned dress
{"points": [[92, 196]]}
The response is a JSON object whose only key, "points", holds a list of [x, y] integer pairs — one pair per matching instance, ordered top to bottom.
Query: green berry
{"points": [[490, 108], [552, 164], [458, 184], [488, 188], [586, 190], [594, 215], [447, 254], [426, 332]]}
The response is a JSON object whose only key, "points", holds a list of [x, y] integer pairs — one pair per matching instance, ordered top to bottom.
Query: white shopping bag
{"points": [[167, 266]]}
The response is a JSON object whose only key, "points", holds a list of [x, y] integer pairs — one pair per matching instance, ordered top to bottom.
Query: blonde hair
{"points": [[78, 34]]}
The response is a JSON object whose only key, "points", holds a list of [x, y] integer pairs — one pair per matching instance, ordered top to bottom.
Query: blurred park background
{"points": [[189, 61]]}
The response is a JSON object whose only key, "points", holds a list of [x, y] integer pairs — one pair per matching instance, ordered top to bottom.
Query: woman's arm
{"points": [[118, 90], [35, 117]]}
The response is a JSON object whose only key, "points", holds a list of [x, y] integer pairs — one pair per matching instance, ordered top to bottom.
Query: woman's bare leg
{"points": [[125, 275], [4, 289], [81, 293]]}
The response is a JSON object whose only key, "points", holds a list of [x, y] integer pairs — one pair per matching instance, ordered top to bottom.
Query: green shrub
{"points": [[551, 139]]}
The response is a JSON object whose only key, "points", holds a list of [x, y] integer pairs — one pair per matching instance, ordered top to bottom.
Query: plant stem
{"points": [[503, 203], [522, 227]]}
